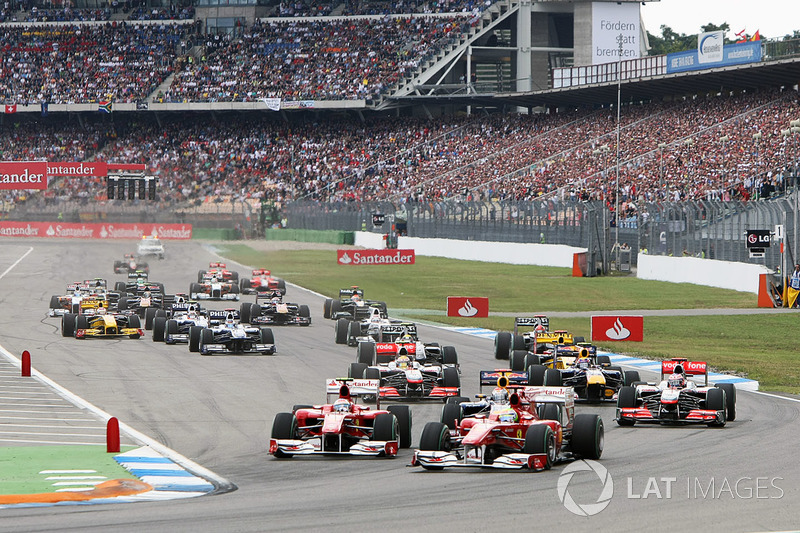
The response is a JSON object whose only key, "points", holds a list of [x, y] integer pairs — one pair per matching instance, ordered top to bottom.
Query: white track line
{"points": [[16, 262]]}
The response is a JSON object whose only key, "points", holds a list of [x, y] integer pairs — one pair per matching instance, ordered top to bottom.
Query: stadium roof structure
{"points": [[784, 72]]}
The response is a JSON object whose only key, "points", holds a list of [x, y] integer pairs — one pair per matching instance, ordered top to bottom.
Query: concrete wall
{"points": [[492, 252], [709, 272]]}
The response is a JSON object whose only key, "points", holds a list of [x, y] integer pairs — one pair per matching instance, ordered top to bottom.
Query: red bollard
{"points": [[26, 364], [112, 435]]}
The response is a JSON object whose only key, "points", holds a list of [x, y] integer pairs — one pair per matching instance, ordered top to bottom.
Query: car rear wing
{"points": [[217, 265], [260, 272], [136, 274], [345, 294], [268, 295], [216, 314], [531, 322], [396, 330], [681, 365], [490, 377], [355, 388], [561, 395]]}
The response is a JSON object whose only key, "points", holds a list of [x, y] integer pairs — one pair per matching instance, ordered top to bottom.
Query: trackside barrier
{"points": [[217, 234], [310, 235], [579, 265], [764, 297], [26, 364], [112, 435]]}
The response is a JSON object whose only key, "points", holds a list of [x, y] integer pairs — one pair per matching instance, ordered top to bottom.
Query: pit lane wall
{"points": [[709, 272]]}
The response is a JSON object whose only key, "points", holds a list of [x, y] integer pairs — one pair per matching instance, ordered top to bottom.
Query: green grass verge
{"points": [[512, 288], [757, 346], [22, 465]]}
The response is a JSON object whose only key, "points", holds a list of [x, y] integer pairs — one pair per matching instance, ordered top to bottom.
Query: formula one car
{"points": [[150, 246], [130, 263], [219, 271], [262, 281], [137, 283], [214, 289], [93, 290], [146, 304], [351, 305], [270, 309], [111, 325], [172, 325], [351, 332], [226, 335], [537, 340], [407, 343], [590, 375], [405, 378], [677, 399], [344, 426], [527, 427]]}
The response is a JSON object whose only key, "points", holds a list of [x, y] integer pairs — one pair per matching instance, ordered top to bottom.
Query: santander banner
{"points": [[79, 169], [23, 175], [94, 231], [375, 257], [467, 307], [618, 328]]}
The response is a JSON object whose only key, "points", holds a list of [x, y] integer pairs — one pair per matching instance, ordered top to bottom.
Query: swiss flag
{"points": [[11, 108], [617, 328]]}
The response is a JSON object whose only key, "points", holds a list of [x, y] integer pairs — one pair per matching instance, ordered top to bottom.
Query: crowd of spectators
{"points": [[306, 8], [161, 13], [312, 60], [78, 63], [727, 147]]}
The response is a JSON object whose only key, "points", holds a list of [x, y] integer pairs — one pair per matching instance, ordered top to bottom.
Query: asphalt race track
{"points": [[218, 411]]}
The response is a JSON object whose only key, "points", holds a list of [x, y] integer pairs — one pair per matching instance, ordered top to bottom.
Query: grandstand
{"points": [[347, 102]]}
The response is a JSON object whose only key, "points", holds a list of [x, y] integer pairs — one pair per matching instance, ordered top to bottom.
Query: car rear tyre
{"points": [[326, 308], [244, 312], [304, 312], [149, 315], [134, 322], [68, 325], [159, 328], [340, 330], [353, 331], [266, 336], [206, 337], [194, 338], [518, 342], [502, 345], [365, 353], [449, 355], [532, 359], [517, 360], [603, 360], [356, 370], [372, 373], [536, 375], [631, 377], [451, 378], [552, 378], [456, 399], [550, 411], [403, 415], [451, 415], [284, 427], [588, 436], [539, 439]]}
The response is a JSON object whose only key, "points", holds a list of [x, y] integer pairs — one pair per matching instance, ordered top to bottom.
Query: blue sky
{"points": [[774, 18]]}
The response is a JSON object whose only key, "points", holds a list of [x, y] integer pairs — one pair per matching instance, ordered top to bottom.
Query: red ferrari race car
{"points": [[219, 271], [262, 281], [677, 399], [343, 427], [526, 427]]}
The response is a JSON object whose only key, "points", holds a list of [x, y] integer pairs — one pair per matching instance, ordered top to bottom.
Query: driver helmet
{"points": [[267, 273], [214, 279], [77, 293], [146, 293], [355, 298], [180, 300], [101, 310], [192, 310], [376, 315], [229, 321], [539, 329], [405, 338], [403, 362], [582, 363], [676, 381], [500, 395], [341, 406], [507, 415]]}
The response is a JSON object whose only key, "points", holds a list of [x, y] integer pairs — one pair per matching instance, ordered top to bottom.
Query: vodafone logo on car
{"points": [[375, 257], [618, 328]]}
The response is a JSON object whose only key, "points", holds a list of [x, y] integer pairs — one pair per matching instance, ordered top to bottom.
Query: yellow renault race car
{"points": [[101, 325]]}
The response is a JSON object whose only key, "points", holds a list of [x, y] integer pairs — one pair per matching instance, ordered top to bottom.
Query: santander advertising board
{"points": [[94, 231], [375, 257]]}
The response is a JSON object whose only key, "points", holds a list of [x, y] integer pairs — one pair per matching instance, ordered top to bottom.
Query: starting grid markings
{"points": [[633, 362]]}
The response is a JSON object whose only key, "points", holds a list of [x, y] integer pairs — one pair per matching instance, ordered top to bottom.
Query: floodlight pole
{"points": [[619, 99]]}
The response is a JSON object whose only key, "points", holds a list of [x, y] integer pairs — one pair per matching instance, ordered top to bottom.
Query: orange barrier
{"points": [[579, 265], [764, 298], [107, 489]]}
